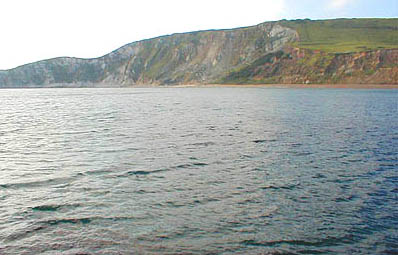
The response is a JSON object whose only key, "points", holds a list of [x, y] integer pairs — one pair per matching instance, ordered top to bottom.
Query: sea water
{"points": [[198, 171]]}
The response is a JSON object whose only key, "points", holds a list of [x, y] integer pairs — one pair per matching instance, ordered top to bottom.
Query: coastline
{"points": [[279, 86], [293, 86]]}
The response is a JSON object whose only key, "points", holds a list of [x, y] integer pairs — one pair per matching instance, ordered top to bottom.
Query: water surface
{"points": [[198, 171]]}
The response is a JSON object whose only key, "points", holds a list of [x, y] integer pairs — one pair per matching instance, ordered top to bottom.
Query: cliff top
{"points": [[345, 35]]}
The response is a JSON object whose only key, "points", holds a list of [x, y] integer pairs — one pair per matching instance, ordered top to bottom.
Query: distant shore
{"points": [[282, 86], [299, 86]]}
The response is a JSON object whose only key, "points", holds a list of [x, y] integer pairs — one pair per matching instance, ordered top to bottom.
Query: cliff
{"points": [[302, 51], [303, 66]]}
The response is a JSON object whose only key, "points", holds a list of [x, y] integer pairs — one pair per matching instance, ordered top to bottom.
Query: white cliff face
{"points": [[198, 57]]}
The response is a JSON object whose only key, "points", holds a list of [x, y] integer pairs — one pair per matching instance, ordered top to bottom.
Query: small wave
{"points": [[264, 141], [205, 144], [296, 145], [302, 153], [246, 156], [199, 164], [189, 165], [182, 166], [97, 172], [139, 172], [143, 172], [319, 176], [34, 184], [276, 187], [142, 191], [345, 199], [176, 204], [49, 208], [52, 208], [84, 220], [72, 221], [42, 225], [22, 234], [330, 241], [307, 251]]}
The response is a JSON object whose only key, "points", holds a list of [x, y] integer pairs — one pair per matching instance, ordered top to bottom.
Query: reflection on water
{"points": [[196, 171]]}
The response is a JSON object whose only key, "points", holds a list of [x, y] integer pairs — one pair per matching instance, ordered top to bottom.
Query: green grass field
{"points": [[345, 35]]}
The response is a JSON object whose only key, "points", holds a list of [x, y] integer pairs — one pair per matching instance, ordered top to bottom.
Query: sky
{"points": [[41, 29]]}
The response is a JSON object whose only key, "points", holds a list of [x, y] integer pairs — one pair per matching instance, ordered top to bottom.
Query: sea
{"points": [[220, 170]]}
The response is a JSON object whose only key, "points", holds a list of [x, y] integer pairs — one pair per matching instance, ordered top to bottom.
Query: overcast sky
{"points": [[33, 30]]}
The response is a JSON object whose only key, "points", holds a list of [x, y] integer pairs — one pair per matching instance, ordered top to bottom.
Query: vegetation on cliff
{"points": [[298, 51], [329, 51]]}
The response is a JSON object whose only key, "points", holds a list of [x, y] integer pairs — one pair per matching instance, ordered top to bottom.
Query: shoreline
{"points": [[278, 86], [291, 86]]}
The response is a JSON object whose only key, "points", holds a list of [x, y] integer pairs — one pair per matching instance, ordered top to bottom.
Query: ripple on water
{"points": [[198, 171], [142, 172], [38, 184], [53, 207], [325, 242]]}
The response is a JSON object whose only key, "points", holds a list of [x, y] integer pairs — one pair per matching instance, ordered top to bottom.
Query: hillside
{"points": [[345, 35], [299, 51], [329, 51]]}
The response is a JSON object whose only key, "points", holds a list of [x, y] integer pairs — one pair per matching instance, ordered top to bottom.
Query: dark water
{"points": [[198, 171]]}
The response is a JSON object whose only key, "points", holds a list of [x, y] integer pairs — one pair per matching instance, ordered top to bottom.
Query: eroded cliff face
{"points": [[266, 53], [195, 58], [302, 66]]}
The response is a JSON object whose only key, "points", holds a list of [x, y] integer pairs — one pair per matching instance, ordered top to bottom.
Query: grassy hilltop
{"points": [[345, 35]]}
